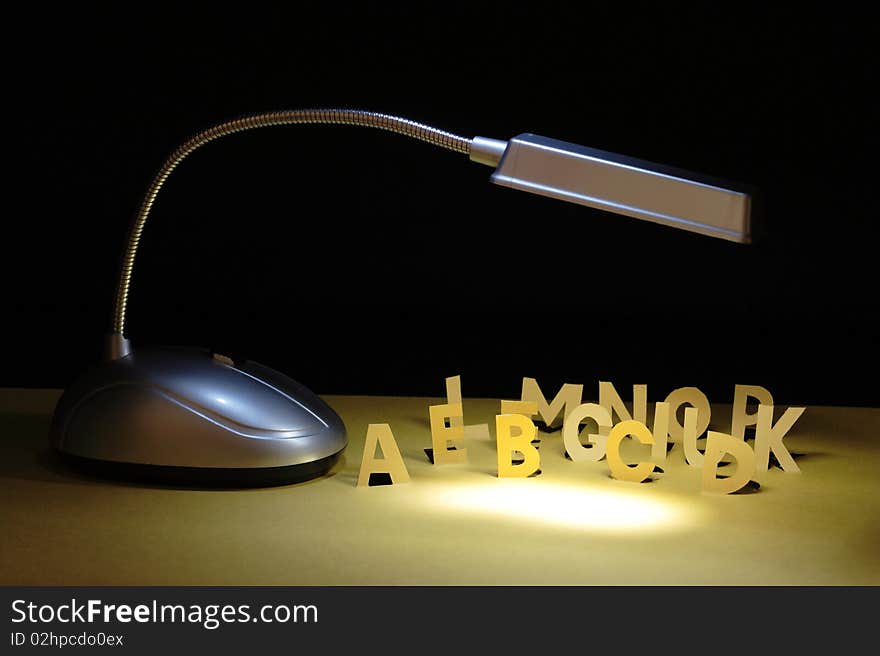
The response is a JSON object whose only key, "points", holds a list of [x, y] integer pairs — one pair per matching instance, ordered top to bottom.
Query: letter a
{"points": [[391, 463]]}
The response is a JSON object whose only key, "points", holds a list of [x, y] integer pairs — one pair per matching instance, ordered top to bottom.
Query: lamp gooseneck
{"points": [[548, 167], [118, 346]]}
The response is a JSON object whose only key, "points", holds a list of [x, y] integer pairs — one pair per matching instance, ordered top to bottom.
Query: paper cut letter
{"points": [[453, 396], [568, 398], [697, 399], [611, 401], [527, 408], [740, 418], [661, 432], [571, 433], [441, 435], [769, 438], [508, 443], [717, 444], [691, 452], [391, 463], [619, 469]]}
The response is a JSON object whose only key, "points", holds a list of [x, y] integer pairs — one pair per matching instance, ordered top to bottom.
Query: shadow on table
{"points": [[25, 452]]}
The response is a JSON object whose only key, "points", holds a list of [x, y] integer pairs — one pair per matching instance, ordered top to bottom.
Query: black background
{"points": [[362, 262]]}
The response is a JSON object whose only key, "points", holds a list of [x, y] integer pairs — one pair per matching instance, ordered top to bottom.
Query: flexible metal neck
{"points": [[326, 116], [614, 183]]}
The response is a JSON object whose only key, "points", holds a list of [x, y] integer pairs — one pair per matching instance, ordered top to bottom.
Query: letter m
{"points": [[568, 398]]}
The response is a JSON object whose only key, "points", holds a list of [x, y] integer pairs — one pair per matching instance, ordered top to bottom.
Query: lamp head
{"points": [[620, 184]]}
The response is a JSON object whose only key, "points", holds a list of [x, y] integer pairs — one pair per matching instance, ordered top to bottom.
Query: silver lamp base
{"points": [[189, 417]]}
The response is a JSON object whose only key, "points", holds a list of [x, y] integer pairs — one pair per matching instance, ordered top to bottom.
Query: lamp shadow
{"points": [[24, 450]]}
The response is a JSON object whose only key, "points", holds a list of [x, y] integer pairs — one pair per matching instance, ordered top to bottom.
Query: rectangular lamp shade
{"points": [[625, 185]]}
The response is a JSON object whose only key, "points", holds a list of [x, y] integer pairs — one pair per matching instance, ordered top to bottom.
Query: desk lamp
{"points": [[192, 417]]}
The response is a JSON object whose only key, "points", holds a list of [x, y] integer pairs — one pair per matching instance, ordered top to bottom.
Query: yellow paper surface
{"points": [[580, 526]]}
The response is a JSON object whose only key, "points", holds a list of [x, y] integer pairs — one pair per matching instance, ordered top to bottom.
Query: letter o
{"points": [[697, 399]]}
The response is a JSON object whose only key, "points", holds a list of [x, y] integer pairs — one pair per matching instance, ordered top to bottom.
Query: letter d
{"points": [[717, 444]]}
